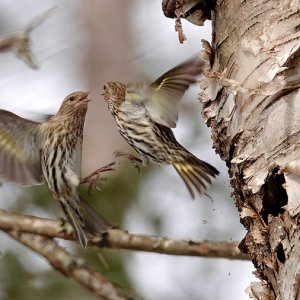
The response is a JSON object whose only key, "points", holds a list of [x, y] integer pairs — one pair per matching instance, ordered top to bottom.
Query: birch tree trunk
{"points": [[255, 124]]}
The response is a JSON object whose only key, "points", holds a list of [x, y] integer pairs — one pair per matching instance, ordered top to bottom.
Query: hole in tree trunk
{"points": [[275, 196], [280, 253]]}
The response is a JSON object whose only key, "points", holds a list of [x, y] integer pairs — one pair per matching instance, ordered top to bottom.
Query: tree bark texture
{"points": [[255, 122]]}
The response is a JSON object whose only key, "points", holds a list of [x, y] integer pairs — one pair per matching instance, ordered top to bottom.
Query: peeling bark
{"points": [[194, 11], [255, 122]]}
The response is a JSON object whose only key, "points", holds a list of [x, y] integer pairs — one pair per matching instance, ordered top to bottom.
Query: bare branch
{"points": [[116, 238], [68, 265]]}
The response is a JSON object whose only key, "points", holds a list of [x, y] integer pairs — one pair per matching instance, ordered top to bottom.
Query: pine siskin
{"points": [[20, 42], [145, 115], [32, 152]]}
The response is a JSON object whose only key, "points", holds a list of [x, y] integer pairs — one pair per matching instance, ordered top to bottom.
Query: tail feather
{"points": [[195, 173], [201, 175], [185, 178], [191, 179], [85, 221], [95, 224], [77, 225]]}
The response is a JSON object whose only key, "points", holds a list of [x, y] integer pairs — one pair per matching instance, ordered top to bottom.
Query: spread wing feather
{"points": [[162, 98], [19, 150]]}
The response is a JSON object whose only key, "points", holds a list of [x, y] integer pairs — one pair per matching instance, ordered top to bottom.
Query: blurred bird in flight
{"points": [[20, 42], [145, 115], [32, 152]]}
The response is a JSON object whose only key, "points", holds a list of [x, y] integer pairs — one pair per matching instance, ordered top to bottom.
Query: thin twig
{"points": [[120, 239], [68, 265]]}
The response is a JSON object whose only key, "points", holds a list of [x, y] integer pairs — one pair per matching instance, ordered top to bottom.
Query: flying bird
{"points": [[20, 41], [145, 114], [32, 153]]}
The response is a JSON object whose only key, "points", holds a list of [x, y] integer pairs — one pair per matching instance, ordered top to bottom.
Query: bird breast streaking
{"points": [[145, 114], [32, 152]]}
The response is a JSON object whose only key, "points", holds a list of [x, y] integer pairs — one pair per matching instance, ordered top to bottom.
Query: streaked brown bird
{"points": [[20, 42], [145, 115], [32, 152]]}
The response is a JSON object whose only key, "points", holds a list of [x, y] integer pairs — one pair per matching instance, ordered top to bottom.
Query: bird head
{"points": [[114, 94], [76, 102]]}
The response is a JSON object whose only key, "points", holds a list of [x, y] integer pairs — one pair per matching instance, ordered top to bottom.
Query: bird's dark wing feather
{"points": [[19, 150]]}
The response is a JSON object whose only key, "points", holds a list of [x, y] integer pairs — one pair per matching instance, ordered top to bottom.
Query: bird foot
{"points": [[134, 160], [95, 178]]}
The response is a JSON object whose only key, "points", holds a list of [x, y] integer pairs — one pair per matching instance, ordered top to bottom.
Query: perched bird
{"points": [[145, 115], [32, 152]]}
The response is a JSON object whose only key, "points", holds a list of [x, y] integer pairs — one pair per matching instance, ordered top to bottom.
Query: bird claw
{"points": [[134, 160], [94, 179]]}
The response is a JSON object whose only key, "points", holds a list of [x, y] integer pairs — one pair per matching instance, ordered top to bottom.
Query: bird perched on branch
{"points": [[145, 115], [32, 152]]}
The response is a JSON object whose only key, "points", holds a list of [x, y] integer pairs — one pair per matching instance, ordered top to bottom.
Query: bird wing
{"points": [[169, 89], [161, 100], [19, 150]]}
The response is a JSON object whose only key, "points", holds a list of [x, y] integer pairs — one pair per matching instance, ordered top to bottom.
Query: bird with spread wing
{"points": [[145, 114], [32, 153]]}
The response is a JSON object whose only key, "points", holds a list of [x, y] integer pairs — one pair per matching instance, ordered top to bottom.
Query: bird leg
{"points": [[133, 159], [94, 179]]}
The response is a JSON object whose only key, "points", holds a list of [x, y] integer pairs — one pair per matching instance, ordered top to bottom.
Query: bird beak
{"points": [[104, 89], [85, 97]]}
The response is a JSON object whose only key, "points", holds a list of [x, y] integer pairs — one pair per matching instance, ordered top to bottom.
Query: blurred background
{"points": [[80, 47]]}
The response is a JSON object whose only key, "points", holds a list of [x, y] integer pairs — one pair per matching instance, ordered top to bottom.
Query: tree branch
{"points": [[116, 238], [68, 265]]}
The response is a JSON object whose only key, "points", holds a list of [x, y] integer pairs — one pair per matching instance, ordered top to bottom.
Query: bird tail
{"points": [[194, 172], [85, 221], [95, 224]]}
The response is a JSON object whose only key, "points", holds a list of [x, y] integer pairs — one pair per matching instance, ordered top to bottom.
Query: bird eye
{"points": [[72, 98]]}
